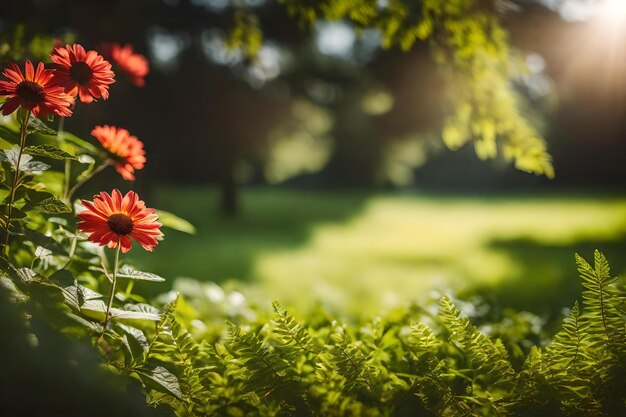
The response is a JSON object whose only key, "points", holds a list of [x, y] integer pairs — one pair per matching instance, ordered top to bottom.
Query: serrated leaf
{"points": [[37, 126], [48, 151], [27, 164], [33, 167], [51, 206], [172, 221], [129, 272], [26, 275], [63, 277], [86, 294], [82, 298], [94, 309], [139, 312], [134, 315], [93, 326], [137, 341], [160, 379]]}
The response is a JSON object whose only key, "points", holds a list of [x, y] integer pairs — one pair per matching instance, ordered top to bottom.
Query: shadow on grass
{"points": [[226, 248], [548, 277]]}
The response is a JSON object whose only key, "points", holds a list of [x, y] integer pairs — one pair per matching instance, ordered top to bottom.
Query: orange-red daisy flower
{"points": [[134, 65], [83, 73], [34, 90], [124, 149], [112, 219]]}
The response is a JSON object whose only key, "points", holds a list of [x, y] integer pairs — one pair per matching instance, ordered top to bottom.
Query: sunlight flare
{"points": [[613, 11]]}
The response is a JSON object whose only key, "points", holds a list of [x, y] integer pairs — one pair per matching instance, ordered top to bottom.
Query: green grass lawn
{"points": [[357, 252]]}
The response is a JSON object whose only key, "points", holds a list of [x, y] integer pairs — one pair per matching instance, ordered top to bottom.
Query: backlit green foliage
{"points": [[245, 33], [471, 45], [409, 362]]}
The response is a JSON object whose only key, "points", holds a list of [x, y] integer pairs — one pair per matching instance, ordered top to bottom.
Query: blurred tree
{"points": [[243, 88]]}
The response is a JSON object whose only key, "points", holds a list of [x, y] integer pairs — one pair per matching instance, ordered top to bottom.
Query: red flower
{"points": [[134, 65], [81, 73], [35, 91], [125, 150], [112, 219]]}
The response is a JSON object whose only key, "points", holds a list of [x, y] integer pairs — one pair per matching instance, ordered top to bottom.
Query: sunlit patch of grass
{"points": [[360, 253]]}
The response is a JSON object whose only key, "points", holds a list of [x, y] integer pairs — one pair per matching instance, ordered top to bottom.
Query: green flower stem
{"points": [[23, 134], [67, 173], [66, 179], [68, 195], [72, 251], [129, 288], [107, 317]]}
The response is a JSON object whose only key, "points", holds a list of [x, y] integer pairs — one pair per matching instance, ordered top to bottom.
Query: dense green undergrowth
{"points": [[236, 360]]}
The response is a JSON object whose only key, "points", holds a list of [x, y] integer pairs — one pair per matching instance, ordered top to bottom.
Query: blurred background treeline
{"points": [[325, 150]]}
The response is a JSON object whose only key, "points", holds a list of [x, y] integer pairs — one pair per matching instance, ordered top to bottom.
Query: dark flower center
{"points": [[81, 73], [30, 93], [120, 224]]}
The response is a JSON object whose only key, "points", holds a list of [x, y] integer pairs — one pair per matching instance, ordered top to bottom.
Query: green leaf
{"points": [[37, 126], [49, 151], [27, 165], [32, 167], [51, 206], [172, 221], [40, 239], [129, 272], [26, 275], [63, 277], [7, 284], [85, 294], [80, 297], [94, 309], [137, 312], [137, 336], [161, 380]]}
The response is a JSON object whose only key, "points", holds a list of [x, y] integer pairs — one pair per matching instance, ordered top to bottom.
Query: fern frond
{"points": [[603, 302], [293, 338], [423, 340], [173, 345], [566, 350], [346, 358], [487, 358], [265, 369], [532, 378]]}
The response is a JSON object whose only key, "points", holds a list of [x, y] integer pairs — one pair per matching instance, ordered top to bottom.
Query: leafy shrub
{"points": [[111, 349], [412, 361]]}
